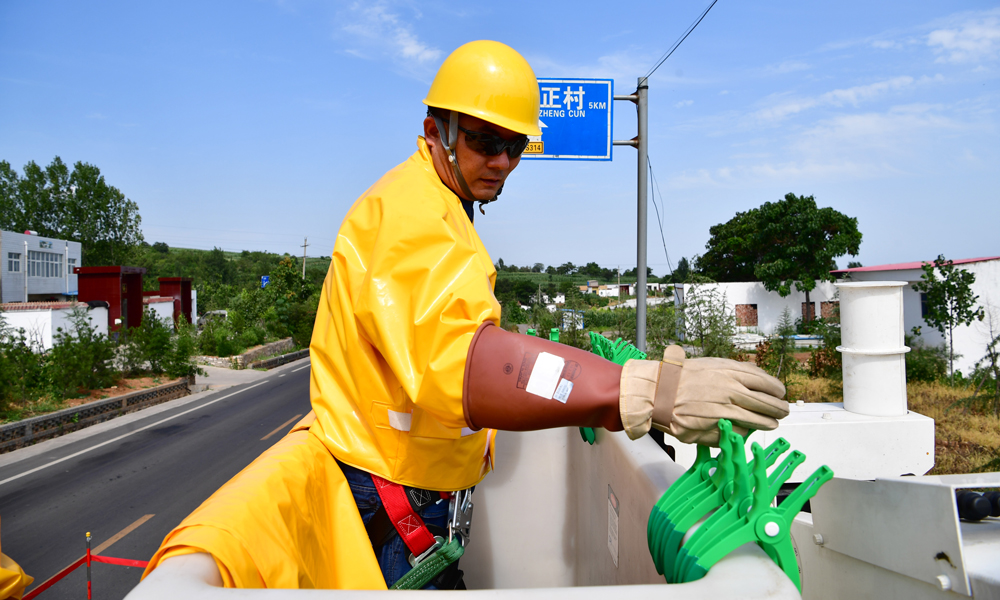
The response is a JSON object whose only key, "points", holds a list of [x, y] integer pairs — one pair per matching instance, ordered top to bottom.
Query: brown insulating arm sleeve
{"points": [[504, 390]]}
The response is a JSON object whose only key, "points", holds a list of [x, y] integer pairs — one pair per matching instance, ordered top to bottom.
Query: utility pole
{"points": [[641, 143], [305, 244]]}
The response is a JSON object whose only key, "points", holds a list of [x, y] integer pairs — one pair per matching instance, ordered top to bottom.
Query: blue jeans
{"points": [[392, 557]]}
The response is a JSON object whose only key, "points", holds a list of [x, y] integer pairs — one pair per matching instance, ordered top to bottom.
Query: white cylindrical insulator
{"points": [[871, 326]]}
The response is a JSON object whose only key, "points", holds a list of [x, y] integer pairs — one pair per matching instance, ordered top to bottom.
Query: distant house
{"points": [[36, 268], [758, 310], [971, 340]]}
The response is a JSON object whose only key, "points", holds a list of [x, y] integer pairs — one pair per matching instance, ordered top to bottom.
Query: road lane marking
{"points": [[300, 368], [282, 375], [280, 427], [123, 436], [121, 534], [116, 537]]}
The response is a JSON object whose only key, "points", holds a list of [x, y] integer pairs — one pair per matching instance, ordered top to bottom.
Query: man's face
{"points": [[483, 174]]}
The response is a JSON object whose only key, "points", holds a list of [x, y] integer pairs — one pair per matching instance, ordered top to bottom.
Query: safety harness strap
{"points": [[407, 522]]}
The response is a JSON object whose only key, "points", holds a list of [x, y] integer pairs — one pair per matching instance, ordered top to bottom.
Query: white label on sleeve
{"points": [[545, 375], [562, 390]]}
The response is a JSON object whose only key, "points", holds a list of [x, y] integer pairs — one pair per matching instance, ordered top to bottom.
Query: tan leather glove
{"points": [[687, 397]]}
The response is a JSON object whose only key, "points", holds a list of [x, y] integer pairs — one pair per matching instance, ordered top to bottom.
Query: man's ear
{"points": [[431, 134]]}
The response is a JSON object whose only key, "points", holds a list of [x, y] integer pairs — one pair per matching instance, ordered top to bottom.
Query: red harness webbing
{"points": [[410, 526]]}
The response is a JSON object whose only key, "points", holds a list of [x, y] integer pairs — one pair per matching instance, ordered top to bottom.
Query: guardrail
{"points": [[277, 361], [35, 429]]}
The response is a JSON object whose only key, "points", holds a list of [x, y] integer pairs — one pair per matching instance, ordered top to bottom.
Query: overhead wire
{"points": [[670, 51], [659, 216]]}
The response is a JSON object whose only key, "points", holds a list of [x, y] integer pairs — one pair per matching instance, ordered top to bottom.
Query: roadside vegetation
{"points": [[86, 365]]}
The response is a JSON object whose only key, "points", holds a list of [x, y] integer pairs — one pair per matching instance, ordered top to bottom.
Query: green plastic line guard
{"points": [[618, 352], [734, 490], [676, 512], [745, 515], [722, 518], [419, 575]]}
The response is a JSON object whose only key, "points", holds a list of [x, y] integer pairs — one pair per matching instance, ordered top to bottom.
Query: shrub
{"points": [[709, 321], [217, 339], [148, 345], [775, 355], [80, 359], [179, 362], [924, 362], [21, 367]]}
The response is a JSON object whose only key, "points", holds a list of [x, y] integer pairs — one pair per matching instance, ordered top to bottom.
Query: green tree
{"points": [[77, 205], [781, 243], [681, 273], [949, 300]]}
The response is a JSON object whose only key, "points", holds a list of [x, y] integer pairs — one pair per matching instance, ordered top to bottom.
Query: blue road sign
{"points": [[575, 117], [264, 280]]}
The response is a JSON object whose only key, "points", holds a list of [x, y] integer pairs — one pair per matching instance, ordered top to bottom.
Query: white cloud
{"points": [[380, 30], [975, 40], [789, 66], [853, 96], [684, 103]]}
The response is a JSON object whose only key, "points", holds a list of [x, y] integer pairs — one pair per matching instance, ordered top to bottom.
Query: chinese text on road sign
{"points": [[575, 117]]}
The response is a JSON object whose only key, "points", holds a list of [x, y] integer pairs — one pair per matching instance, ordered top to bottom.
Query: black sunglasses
{"points": [[492, 145]]}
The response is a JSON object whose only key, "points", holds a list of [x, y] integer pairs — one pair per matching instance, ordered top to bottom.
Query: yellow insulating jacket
{"points": [[409, 284], [288, 520]]}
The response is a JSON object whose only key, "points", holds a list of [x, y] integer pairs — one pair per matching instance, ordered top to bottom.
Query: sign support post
{"points": [[641, 143]]}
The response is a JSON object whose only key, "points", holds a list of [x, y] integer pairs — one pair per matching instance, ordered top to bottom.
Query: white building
{"points": [[36, 268], [760, 310], [970, 340]]}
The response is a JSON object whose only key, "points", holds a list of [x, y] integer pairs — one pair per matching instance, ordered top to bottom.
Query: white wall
{"points": [[769, 304], [163, 309], [42, 324], [970, 340]]}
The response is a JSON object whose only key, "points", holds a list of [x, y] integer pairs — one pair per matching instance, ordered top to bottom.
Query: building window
{"points": [[13, 262], [44, 264], [71, 264], [923, 305], [829, 310], [746, 315]]}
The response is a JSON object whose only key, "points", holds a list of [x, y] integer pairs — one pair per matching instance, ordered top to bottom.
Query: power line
{"points": [[667, 54], [659, 218]]}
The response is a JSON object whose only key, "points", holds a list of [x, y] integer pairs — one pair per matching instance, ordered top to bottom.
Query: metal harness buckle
{"points": [[460, 521], [414, 561]]}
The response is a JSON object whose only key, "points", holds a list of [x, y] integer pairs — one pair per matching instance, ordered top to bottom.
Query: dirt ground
{"points": [[123, 386]]}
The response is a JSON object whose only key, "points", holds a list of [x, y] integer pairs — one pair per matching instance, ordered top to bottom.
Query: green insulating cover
{"points": [[532, 332], [554, 334], [617, 352], [734, 499]]}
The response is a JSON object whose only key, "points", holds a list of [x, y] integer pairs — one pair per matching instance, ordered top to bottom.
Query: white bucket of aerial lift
{"points": [[871, 327], [559, 519]]}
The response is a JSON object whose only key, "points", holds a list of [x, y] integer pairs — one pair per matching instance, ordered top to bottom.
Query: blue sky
{"points": [[252, 124]]}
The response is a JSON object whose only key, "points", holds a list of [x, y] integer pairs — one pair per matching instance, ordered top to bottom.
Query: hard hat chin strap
{"points": [[449, 146]]}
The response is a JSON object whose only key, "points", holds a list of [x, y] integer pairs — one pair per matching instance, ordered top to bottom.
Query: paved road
{"points": [[165, 470]]}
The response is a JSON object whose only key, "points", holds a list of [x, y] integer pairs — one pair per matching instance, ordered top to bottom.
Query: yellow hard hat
{"points": [[491, 81]]}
